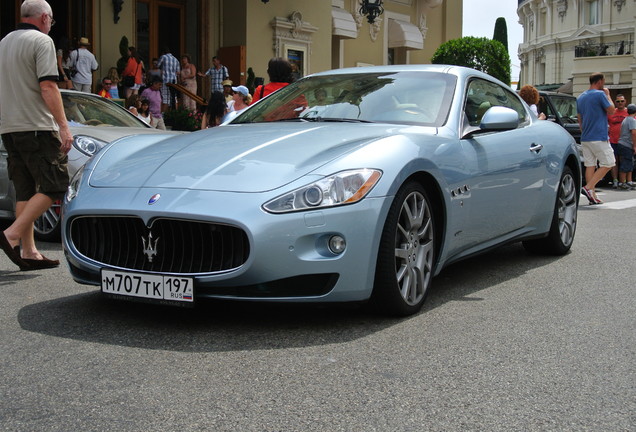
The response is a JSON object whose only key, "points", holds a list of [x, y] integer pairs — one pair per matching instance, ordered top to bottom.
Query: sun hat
{"points": [[84, 41], [227, 83], [241, 89]]}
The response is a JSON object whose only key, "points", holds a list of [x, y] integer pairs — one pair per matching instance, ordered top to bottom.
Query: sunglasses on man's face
{"points": [[620, 101]]}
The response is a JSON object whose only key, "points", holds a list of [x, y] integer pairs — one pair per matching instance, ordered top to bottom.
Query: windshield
{"points": [[418, 98], [566, 108], [86, 110]]}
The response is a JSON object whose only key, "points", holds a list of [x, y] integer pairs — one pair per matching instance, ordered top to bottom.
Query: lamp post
{"points": [[372, 9]]}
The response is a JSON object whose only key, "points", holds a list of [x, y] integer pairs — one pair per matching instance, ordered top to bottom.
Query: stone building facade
{"points": [[317, 34], [567, 40]]}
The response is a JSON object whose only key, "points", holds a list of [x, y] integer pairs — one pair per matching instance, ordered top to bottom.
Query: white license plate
{"points": [[158, 287]]}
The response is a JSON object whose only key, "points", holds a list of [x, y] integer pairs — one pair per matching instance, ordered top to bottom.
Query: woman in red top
{"points": [[134, 68], [280, 75]]}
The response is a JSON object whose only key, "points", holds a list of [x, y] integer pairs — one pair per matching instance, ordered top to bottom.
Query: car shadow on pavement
{"points": [[229, 325]]}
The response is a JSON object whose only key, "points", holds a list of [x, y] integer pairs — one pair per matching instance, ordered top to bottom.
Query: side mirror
{"points": [[499, 118]]}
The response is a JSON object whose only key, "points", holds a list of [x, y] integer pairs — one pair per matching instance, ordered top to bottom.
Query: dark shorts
{"points": [[615, 149], [626, 156], [36, 164]]}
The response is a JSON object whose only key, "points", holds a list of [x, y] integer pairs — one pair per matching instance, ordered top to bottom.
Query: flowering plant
{"points": [[183, 119]]}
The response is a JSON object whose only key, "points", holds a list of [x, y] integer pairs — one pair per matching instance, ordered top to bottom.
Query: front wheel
{"points": [[47, 227], [563, 227], [404, 268]]}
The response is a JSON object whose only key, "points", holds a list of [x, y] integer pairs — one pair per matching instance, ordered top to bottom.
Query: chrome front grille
{"points": [[181, 246]]}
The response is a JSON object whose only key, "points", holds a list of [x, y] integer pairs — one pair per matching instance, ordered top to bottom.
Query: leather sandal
{"points": [[12, 254], [44, 263]]}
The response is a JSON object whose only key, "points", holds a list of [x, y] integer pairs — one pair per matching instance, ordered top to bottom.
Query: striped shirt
{"points": [[170, 68], [217, 76]]}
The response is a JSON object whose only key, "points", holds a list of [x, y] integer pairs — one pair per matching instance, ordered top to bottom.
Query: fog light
{"points": [[337, 244]]}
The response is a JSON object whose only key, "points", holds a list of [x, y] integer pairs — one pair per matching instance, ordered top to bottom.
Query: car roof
{"points": [[440, 68], [553, 93]]}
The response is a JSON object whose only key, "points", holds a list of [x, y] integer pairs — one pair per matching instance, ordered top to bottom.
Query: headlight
{"points": [[88, 145], [74, 185], [345, 187]]}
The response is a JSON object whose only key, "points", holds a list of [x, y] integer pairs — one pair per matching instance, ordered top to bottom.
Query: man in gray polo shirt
{"points": [[34, 129]]}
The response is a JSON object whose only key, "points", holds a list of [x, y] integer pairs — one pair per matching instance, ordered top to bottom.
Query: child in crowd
{"points": [[114, 77]]}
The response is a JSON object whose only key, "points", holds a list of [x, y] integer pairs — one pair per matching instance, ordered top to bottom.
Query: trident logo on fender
{"points": [[150, 246]]}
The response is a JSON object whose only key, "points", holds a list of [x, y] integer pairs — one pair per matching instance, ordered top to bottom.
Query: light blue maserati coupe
{"points": [[346, 186]]}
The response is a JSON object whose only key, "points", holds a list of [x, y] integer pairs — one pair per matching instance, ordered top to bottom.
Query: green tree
{"points": [[501, 32], [483, 54]]}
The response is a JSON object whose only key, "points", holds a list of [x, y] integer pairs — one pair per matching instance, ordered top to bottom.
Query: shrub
{"points": [[123, 50], [483, 54], [250, 80], [183, 119]]}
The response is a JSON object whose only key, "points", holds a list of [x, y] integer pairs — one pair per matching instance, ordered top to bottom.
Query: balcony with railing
{"points": [[604, 49]]}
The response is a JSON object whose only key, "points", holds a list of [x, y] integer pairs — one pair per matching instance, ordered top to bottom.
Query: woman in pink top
{"points": [[188, 79]]}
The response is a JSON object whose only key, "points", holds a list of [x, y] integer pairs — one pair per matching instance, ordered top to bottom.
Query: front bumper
{"points": [[289, 259]]}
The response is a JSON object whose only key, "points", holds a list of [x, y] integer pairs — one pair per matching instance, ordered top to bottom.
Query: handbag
{"points": [[72, 69], [129, 80]]}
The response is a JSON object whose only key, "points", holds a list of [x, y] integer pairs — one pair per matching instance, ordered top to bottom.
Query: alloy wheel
{"points": [[414, 248]]}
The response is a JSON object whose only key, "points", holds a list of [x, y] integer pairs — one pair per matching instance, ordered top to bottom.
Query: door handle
{"points": [[536, 148]]}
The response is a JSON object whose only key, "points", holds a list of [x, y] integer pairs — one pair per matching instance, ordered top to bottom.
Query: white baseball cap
{"points": [[241, 89]]}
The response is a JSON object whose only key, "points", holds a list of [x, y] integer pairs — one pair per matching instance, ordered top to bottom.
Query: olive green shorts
{"points": [[36, 164]]}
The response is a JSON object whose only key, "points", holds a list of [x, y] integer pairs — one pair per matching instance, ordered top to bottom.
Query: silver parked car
{"points": [[94, 122], [349, 185], [7, 194]]}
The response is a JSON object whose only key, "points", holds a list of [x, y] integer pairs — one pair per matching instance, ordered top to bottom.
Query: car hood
{"points": [[111, 133], [238, 158]]}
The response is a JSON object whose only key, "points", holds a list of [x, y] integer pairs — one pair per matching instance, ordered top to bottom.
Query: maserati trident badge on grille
{"points": [[153, 199], [150, 246]]}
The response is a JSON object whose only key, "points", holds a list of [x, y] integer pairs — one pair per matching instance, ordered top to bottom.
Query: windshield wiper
{"points": [[292, 119], [323, 119], [335, 119], [343, 120]]}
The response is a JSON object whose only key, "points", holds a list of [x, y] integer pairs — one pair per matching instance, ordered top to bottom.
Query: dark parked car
{"points": [[561, 109]]}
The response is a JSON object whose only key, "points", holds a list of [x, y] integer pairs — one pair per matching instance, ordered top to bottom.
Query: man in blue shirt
{"points": [[170, 68], [593, 106]]}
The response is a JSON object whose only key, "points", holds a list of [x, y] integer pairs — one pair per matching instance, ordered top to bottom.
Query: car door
{"points": [[507, 167]]}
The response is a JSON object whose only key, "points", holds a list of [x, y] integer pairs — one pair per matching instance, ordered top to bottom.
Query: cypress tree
{"points": [[501, 32]]}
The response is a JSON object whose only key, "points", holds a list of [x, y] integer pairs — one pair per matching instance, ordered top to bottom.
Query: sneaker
{"points": [[615, 184], [631, 185], [623, 186], [589, 195]]}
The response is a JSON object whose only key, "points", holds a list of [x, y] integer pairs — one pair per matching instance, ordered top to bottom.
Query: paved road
{"points": [[507, 341]]}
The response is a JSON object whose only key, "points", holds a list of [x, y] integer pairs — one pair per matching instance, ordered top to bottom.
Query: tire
{"points": [[47, 227], [563, 227], [406, 254]]}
